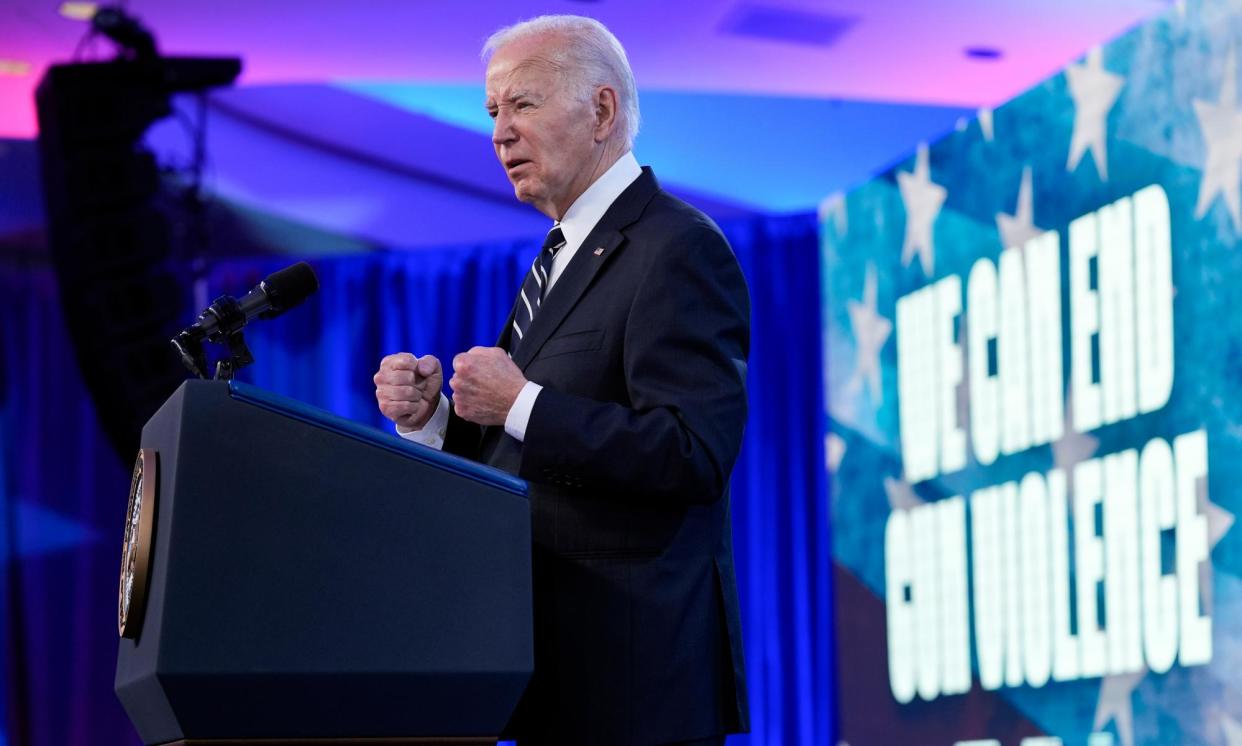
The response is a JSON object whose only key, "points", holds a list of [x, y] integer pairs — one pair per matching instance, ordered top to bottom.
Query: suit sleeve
{"points": [[685, 348], [462, 438]]}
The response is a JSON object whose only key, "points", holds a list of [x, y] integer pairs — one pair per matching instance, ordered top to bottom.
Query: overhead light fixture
{"points": [[78, 11], [787, 25], [987, 54], [14, 67]]}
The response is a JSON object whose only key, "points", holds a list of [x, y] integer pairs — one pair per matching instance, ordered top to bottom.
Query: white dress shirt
{"points": [[579, 220]]}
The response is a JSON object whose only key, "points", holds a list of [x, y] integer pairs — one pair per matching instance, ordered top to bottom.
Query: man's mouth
{"points": [[513, 163]]}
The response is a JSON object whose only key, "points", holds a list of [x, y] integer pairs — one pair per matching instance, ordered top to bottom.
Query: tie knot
{"points": [[555, 239]]}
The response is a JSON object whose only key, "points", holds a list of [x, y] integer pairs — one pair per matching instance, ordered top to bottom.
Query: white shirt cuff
{"points": [[519, 413], [432, 434]]}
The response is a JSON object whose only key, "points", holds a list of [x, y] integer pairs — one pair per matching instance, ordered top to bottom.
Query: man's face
{"points": [[544, 135]]}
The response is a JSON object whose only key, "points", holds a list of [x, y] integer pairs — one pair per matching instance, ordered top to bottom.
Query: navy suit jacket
{"points": [[641, 349]]}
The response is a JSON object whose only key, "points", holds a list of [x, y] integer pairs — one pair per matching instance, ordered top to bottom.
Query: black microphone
{"points": [[278, 293], [226, 316]]}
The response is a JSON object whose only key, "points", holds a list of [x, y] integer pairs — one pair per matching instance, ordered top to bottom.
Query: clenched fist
{"points": [[485, 384], [408, 389]]}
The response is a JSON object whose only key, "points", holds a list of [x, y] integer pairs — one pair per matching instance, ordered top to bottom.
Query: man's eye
{"points": [[492, 113]]}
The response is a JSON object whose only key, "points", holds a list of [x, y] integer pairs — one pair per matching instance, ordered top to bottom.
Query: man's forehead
{"points": [[506, 75]]}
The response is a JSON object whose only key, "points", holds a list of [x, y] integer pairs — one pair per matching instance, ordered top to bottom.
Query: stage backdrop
{"points": [[1033, 360]]}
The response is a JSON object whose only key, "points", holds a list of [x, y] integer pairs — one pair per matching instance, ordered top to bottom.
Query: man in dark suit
{"points": [[617, 389]]}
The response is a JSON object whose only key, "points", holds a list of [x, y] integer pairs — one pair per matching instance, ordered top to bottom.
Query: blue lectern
{"points": [[310, 579]]}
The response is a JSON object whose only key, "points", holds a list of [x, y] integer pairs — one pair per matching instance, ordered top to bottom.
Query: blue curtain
{"points": [[61, 471], [64, 502], [780, 505]]}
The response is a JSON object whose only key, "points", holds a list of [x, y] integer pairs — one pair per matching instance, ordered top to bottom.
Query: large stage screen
{"points": [[1033, 370]]}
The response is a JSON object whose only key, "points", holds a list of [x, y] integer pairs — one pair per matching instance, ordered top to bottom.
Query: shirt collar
{"points": [[585, 212]]}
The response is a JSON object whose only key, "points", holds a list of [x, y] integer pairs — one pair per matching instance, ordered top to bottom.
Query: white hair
{"points": [[590, 57]]}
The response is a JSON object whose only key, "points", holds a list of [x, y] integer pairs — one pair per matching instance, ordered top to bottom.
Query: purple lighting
{"points": [[865, 50]]}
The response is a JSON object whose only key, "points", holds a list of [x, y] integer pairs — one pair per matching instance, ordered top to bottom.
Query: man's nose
{"points": [[502, 129]]}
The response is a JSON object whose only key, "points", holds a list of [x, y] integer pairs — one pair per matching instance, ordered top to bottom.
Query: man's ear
{"points": [[605, 104]]}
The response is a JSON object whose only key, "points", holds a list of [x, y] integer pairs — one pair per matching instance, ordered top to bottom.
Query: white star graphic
{"points": [[1094, 91], [985, 124], [1222, 131], [923, 199], [833, 207], [1018, 228], [871, 331], [1072, 446], [834, 451], [901, 495], [1219, 521], [1115, 704], [1231, 730]]}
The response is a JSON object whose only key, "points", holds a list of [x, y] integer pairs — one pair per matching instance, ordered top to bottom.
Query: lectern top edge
{"points": [[258, 397]]}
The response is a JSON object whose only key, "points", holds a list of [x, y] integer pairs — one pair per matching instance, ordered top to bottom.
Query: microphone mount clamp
{"points": [[230, 319]]}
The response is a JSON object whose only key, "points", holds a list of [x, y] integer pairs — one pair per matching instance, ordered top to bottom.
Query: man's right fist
{"points": [[408, 389]]}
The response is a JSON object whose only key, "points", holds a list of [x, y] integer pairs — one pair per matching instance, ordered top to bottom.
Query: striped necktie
{"points": [[535, 286]]}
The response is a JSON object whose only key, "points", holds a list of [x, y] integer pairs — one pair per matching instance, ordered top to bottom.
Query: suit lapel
{"points": [[597, 250], [506, 333]]}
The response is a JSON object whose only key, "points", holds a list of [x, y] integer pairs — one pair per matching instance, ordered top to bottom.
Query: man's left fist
{"points": [[485, 384]]}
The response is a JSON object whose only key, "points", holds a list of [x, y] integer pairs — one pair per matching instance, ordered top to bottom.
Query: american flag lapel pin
{"points": [[599, 251]]}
